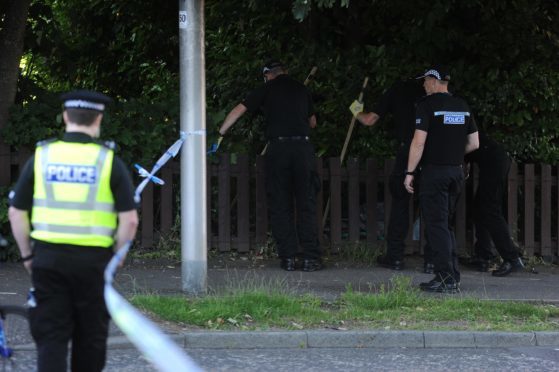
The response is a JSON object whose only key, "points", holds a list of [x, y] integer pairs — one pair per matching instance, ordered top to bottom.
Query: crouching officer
{"points": [[399, 101], [494, 165], [72, 204]]}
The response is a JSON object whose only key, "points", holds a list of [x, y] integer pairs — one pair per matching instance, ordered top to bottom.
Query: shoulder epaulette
{"points": [[45, 142], [111, 145]]}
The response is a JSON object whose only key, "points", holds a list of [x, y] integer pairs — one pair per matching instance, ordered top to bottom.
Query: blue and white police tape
{"points": [[171, 152], [144, 173], [159, 349]]}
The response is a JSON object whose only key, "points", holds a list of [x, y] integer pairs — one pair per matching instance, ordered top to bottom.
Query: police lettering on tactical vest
{"points": [[451, 117], [71, 173]]}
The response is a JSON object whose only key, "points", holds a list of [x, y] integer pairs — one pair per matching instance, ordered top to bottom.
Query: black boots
{"points": [[384, 261], [289, 264], [312, 265], [508, 267], [440, 284]]}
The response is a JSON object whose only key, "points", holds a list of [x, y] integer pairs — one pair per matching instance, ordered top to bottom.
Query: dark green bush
{"points": [[502, 56]]}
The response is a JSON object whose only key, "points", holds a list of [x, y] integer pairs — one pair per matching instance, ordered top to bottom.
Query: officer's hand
{"points": [[356, 107], [215, 145], [408, 183]]}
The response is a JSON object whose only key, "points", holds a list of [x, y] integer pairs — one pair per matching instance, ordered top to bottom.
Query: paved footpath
{"points": [[140, 276]]}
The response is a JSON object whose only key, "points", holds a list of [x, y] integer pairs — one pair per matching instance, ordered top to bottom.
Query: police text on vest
{"points": [[71, 173]]}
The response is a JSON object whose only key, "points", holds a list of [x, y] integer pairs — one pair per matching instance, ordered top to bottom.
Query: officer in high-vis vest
{"points": [[71, 207]]}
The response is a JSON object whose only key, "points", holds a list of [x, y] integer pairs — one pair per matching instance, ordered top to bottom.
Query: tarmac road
{"points": [[343, 359]]}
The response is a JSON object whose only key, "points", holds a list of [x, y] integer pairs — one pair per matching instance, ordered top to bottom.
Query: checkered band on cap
{"points": [[271, 65], [438, 72], [433, 73], [85, 99], [78, 103]]}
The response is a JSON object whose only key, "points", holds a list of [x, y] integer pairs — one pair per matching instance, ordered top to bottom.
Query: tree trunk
{"points": [[11, 48]]}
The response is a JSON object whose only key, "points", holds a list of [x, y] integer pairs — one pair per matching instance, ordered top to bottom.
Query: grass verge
{"points": [[272, 306]]}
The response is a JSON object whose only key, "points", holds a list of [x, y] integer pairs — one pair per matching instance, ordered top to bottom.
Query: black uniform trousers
{"points": [[291, 178], [440, 188], [489, 218], [398, 224], [69, 285]]}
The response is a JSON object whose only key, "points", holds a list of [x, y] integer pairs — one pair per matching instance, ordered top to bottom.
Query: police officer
{"points": [[399, 100], [445, 131], [290, 163], [494, 165], [72, 204]]}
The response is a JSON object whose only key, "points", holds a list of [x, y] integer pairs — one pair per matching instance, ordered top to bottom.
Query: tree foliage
{"points": [[301, 8], [502, 54]]}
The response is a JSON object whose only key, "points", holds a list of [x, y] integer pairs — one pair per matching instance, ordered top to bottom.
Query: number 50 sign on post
{"points": [[182, 19]]}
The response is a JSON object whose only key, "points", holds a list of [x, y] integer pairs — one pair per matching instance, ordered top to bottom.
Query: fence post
{"points": [[22, 156], [388, 166], [243, 200], [353, 200], [320, 201], [224, 202], [372, 202], [529, 202], [335, 204], [166, 209], [512, 210], [261, 211], [147, 216], [545, 222]]}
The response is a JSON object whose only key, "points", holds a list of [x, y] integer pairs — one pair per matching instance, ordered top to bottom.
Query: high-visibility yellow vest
{"points": [[72, 199]]}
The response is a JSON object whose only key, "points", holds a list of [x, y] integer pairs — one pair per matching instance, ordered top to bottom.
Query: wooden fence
{"points": [[359, 205]]}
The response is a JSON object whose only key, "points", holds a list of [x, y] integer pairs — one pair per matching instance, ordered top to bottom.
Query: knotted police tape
{"points": [[167, 155]]}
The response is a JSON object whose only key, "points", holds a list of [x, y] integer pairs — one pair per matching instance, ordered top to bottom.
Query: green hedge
{"points": [[502, 56]]}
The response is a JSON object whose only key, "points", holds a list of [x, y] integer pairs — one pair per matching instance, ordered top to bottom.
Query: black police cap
{"points": [[270, 65], [439, 72], [85, 99]]}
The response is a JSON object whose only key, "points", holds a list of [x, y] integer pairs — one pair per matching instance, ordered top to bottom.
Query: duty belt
{"points": [[291, 138]]}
